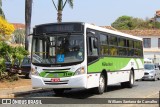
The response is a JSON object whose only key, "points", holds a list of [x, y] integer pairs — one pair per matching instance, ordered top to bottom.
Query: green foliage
{"points": [[60, 6], [1, 11], [124, 22], [130, 23], [4, 49], [20, 53], [14, 54], [2, 65]]}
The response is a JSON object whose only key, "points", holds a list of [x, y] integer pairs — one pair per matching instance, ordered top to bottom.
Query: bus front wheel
{"points": [[102, 85]]}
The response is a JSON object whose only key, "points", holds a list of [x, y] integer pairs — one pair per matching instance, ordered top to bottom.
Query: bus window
{"points": [[112, 40], [122, 42], [131, 43], [103, 44], [93, 50], [104, 50], [113, 51], [122, 51], [131, 52]]}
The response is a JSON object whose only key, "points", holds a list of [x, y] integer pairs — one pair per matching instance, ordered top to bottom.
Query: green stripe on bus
{"points": [[110, 64], [56, 74]]}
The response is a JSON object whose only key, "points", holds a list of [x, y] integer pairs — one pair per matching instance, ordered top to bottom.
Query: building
{"points": [[157, 16], [19, 25], [151, 42]]}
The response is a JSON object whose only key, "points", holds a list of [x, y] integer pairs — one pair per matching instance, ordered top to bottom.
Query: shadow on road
{"points": [[74, 93], [86, 93]]}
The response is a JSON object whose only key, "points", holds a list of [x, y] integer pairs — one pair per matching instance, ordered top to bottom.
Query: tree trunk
{"points": [[28, 14], [59, 18]]}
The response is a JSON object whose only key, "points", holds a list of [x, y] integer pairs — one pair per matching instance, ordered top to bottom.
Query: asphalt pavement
{"points": [[141, 89]]}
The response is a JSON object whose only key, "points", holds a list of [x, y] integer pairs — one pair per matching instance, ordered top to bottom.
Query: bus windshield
{"points": [[57, 49]]}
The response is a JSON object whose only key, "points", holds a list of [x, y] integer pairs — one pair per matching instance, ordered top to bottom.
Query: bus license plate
{"points": [[55, 79]]}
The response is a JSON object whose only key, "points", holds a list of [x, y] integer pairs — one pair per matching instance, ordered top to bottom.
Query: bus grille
{"points": [[56, 83]]}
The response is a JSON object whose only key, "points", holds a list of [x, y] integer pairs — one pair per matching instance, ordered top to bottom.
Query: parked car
{"points": [[8, 66], [25, 68], [151, 72]]}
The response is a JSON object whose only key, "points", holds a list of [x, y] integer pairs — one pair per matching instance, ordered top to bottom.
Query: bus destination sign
{"points": [[52, 28]]}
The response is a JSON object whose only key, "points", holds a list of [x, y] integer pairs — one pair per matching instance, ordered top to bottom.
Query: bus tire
{"points": [[130, 83], [102, 85], [58, 91]]}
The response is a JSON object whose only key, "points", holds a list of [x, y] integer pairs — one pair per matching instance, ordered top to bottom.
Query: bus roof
{"points": [[96, 28], [111, 31]]}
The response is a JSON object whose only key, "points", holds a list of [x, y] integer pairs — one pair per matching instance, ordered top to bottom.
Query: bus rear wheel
{"points": [[130, 83], [102, 85], [58, 91]]}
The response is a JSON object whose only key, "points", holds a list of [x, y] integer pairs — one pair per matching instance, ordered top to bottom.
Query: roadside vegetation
{"points": [[131, 23], [8, 52], [13, 55]]}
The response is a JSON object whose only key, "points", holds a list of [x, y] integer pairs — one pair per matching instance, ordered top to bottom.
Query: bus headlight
{"points": [[80, 71], [34, 72]]}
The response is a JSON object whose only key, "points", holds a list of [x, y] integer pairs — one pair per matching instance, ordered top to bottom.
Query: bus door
{"points": [[92, 48]]}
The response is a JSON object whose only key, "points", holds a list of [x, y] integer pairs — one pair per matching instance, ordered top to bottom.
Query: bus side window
{"points": [[92, 48]]}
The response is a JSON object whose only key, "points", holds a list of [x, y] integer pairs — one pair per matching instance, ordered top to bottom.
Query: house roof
{"points": [[19, 25], [147, 32]]}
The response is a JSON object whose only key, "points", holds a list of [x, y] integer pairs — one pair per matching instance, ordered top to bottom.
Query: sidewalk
{"points": [[19, 91], [13, 92]]}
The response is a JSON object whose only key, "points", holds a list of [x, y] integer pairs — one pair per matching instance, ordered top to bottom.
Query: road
{"points": [[141, 89]]}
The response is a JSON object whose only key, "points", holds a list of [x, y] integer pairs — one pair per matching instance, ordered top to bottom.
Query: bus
{"points": [[72, 55]]}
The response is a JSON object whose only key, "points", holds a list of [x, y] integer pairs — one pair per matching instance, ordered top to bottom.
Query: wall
{"points": [[153, 52]]}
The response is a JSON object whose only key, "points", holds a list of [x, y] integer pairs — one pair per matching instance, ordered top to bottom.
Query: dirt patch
{"points": [[21, 82]]}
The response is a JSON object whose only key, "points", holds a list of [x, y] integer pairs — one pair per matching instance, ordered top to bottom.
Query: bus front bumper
{"points": [[78, 81]]}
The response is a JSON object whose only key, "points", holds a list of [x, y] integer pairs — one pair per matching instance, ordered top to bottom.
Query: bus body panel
{"points": [[120, 72], [67, 82]]}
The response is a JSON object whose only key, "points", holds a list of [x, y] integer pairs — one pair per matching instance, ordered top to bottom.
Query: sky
{"points": [[98, 12]]}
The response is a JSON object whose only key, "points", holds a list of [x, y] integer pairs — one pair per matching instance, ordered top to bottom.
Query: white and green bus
{"points": [[80, 55]]}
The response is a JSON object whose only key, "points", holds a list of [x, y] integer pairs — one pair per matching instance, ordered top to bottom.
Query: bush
{"points": [[12, 54], [2, 65], [9, 77], [14, 77]]}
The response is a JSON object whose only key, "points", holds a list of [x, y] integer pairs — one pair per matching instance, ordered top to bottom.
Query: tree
{"points": [[60, 6], [1, 10], [28, 15], [124, 23], [130, 23], [6, 29]]}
